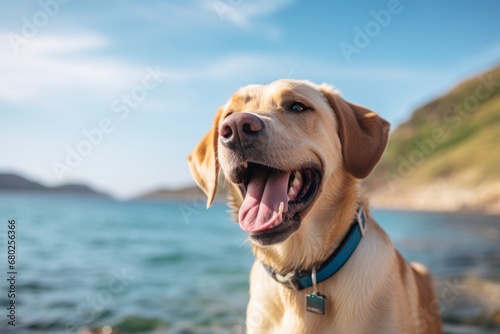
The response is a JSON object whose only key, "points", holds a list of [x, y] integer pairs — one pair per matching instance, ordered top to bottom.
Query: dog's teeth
{"points": [[245, 164], [296, 178], [291, 192], [280, 210]]}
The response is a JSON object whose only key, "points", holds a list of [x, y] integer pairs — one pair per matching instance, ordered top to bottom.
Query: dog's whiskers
{"points": [[291, 71], [247, 239]]}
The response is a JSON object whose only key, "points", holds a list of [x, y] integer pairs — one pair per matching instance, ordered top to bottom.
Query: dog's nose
{"points": [[240, 129]]}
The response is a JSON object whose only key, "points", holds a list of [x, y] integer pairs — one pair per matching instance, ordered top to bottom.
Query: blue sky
{"points": [[70, 67]]}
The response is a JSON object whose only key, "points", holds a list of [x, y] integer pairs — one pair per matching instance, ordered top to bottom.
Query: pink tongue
{"points": [[265, 191]]}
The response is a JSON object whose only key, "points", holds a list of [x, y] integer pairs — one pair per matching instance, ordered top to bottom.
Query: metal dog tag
{"points": [[315, 303]]}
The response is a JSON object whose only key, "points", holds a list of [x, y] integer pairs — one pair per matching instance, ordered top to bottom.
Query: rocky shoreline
{"points": [[440, 196]]}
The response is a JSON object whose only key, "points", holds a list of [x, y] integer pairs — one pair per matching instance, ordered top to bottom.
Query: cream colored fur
{"points": [[376, 291]]}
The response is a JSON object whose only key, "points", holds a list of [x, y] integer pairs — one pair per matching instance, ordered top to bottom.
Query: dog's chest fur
{"points": [[360, 297]]}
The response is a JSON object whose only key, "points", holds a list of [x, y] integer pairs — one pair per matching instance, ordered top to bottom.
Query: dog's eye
{"points": [[298, 107]]}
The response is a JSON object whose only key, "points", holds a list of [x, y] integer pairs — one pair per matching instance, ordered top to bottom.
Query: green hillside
{"points": [[454, 140]]}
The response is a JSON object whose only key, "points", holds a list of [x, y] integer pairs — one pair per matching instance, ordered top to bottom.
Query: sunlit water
{"points": [[137, 266]]}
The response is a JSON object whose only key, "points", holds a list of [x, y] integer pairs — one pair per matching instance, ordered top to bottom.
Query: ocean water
{"points": [[176, 267]]}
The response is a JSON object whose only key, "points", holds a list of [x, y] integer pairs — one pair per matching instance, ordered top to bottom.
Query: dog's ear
{"points": [[363, 134], [204, 163]]}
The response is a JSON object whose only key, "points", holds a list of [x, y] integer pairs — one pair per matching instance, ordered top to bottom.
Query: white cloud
{"points": [[241, 12], [246, 14], [58, 45], [488, 56], [238, 66], [46, 67], [226, 68]]}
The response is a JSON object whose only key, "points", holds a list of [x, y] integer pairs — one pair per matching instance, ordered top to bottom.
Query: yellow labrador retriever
{"points": [[293, 153]]}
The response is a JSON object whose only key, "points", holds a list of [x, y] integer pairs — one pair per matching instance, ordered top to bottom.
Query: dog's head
{"points": [[280, 144]]}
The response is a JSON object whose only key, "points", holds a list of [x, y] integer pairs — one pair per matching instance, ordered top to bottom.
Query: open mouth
{"points": [[275, 200]]}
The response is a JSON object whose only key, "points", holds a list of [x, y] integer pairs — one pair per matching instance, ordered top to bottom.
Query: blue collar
{"points": [[302, 279]]}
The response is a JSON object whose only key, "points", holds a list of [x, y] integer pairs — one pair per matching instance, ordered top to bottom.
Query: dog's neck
{"points": [[314, 245]]}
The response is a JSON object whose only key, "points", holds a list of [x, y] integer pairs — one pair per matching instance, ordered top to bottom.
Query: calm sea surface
{"points": [[138, 266]]}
